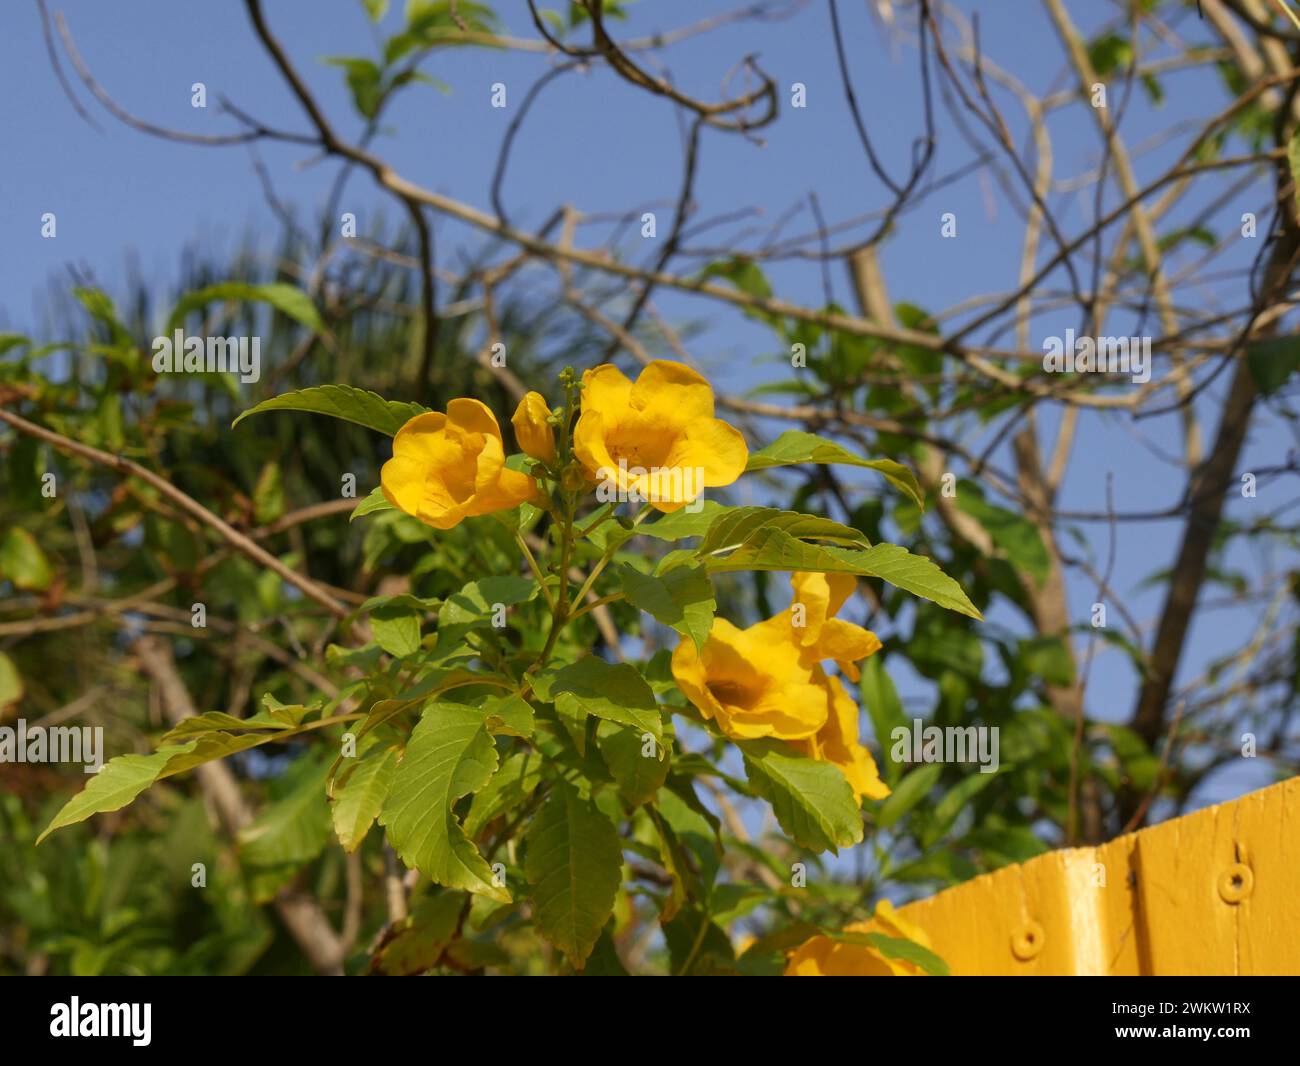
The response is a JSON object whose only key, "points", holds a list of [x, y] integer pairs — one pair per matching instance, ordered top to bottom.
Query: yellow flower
{"points": [[532, 431], [656, 438], [449, 467], [767, 680], [823, 956]]}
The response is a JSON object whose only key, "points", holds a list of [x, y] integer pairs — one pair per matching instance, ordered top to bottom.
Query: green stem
{"points": [[537, 570], [613, 597]]}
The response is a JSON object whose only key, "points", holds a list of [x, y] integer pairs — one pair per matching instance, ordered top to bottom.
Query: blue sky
{"points": [[597, 143]]}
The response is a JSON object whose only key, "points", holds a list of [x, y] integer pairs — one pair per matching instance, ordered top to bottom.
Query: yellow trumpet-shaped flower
{"points": [[532, 430], [655, 439], [448, 467], [767, 680], [824, 956]]}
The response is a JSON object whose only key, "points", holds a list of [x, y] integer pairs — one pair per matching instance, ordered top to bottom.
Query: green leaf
{"points": [[376, 9], [429, 24], [1108, 53], [364, 79], [743, 273], [287, 299], [99, 305], [11, 340], [1272, 361], [342, 401], [795, 446], [268, 495], [376, 501], [682, 523], [737, 524], [1016, 536], [773, 549], [23, 562], [681, 599], [477, 601], [397, 629], [1049, 659], [11, 682], [616, 693], [886, 712], [510, 715], [219, 722], [211, 746], [450, 754], [638, 764], [116, 784], [510, 786], [914, 787], [360, 798], [812, 800], [952, 804], [295, 828], [574, 864], [423, 936], [896, 947]]}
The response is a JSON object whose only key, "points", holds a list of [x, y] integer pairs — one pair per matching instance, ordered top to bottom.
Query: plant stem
{"points": [[537, 570], [611, 598]]}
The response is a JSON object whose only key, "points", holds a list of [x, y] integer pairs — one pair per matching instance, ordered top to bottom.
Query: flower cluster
{"points": [[649, 438], [657, 440], [768, 680]]}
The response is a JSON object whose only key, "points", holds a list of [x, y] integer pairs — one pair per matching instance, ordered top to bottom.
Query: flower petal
{"points": [[673, 392], [532, 430]]}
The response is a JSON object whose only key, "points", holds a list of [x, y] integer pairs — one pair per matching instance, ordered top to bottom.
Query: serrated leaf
{"points": [[287, 299], [359, 406], [795, 446], [682, 523], [738, 524], [773, 549], [681, 599], [477, 601], [397, 629], [616, 693], [510, 715], [219, 722], [450, 754], [639, 766], [132, 774], [517, 779], [116, 784], [812, 800], [358, 801], [574, 864], [424, 935]]}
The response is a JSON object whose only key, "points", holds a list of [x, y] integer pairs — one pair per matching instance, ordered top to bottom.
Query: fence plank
{"points": [[1213, 892]]}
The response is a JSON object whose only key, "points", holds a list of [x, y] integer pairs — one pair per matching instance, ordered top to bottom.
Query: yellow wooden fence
{"points": [[1214, 892]]}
